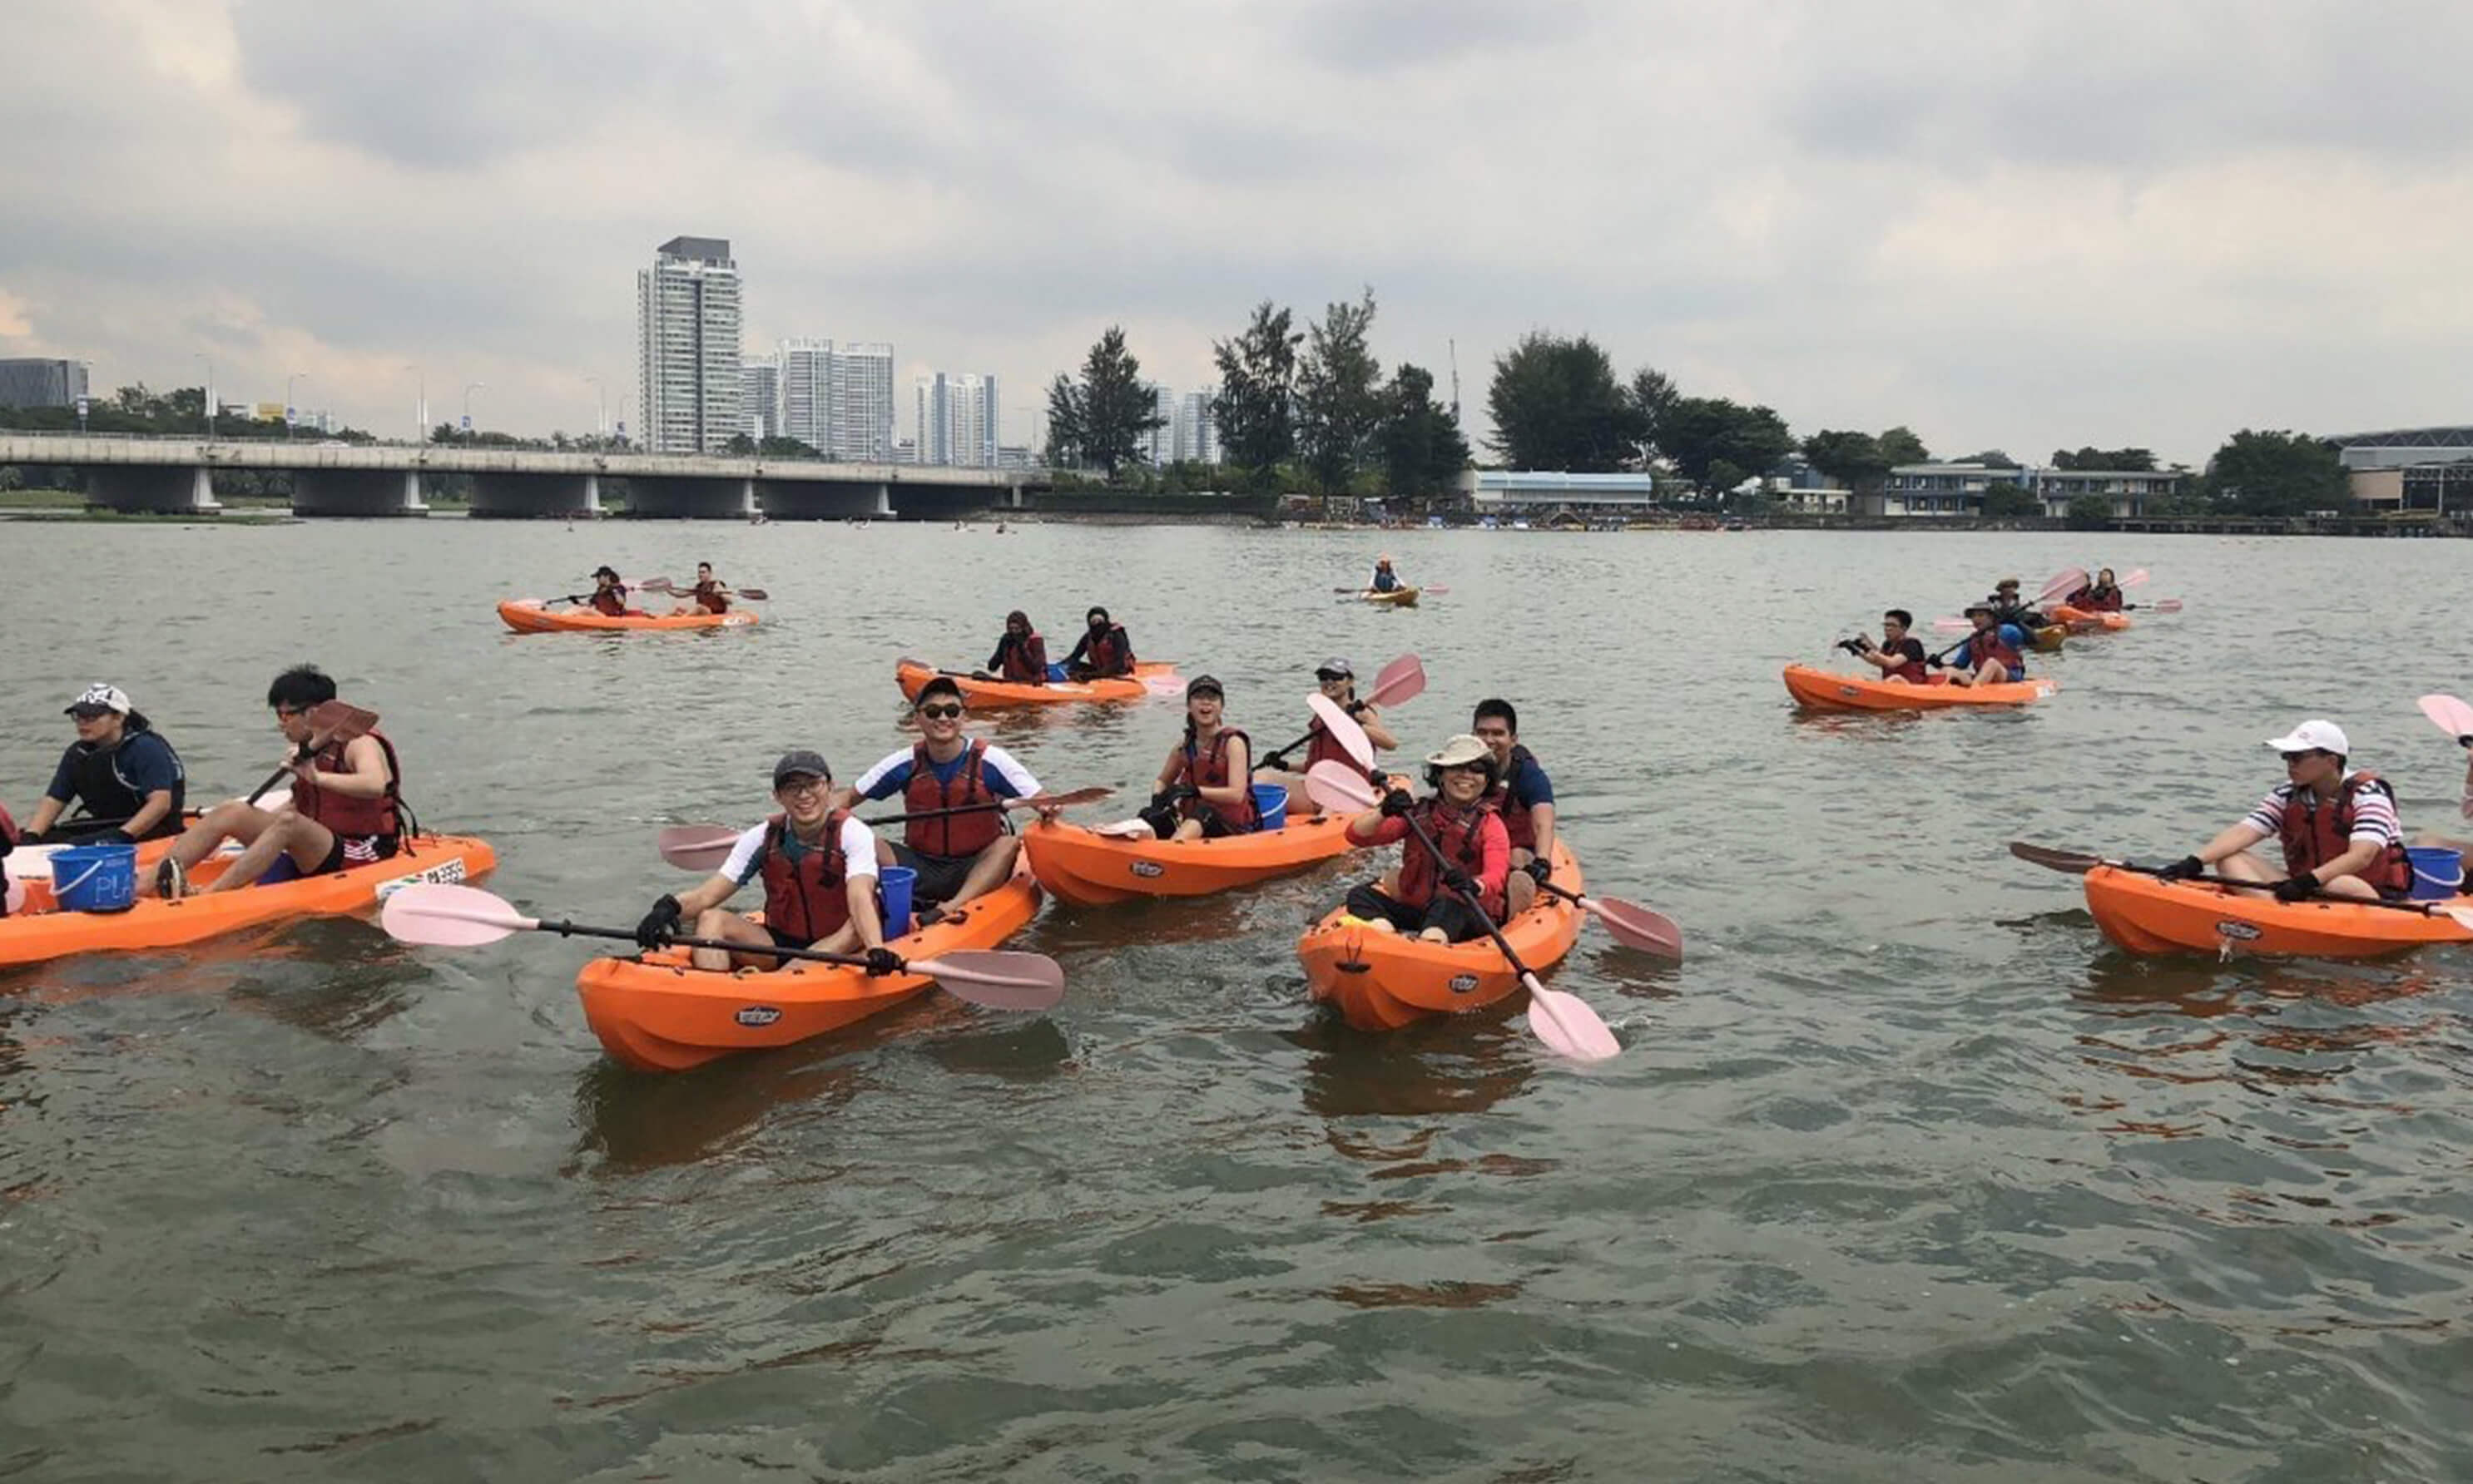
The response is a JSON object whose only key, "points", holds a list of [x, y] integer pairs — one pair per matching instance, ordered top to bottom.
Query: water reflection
{"points": [[1448, 1064]]}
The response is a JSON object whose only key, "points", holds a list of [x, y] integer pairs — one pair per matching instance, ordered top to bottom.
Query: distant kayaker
{"points": [[1385, 579], [609, 594], [709, 595], [2099, 596], [2008, 609], [1104, 652], [1992, 655], [1899, 656], [1021, 657], [1337, 680], [121, 774], [1205, 788], [1525, 797], [346, 809], [2338, 828], [9, 838], [960, 855], [818, 869], [1418, 896]]}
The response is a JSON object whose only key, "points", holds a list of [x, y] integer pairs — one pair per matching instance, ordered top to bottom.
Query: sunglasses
{"points": [[1326, 677], [940, 713], [1464, 767]]}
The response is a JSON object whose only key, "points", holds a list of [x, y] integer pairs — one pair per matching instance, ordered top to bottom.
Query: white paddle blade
{"points": [[2134, 579], [2064, 582], [1952, 626], [1402, 680], [1163, 685], [2449, 714], [1342, 728], [1334, 786], [1126, 829], [697, 847], [450, 916], [995, 978], [1567, 1025]]}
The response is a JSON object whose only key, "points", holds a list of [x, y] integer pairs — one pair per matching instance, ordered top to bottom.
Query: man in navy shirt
{"points": [[127, 780], [1525, 798]]}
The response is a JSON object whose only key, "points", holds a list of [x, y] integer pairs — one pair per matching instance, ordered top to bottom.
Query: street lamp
{"points": [[201, 355], [469, 387], [287, 400], [420, 405], [600, 408]]}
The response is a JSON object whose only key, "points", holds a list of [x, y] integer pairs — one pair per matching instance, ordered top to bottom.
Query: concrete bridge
{"points": [[173, 475]]}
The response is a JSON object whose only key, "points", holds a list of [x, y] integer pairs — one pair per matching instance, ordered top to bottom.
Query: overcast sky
{"points": [[2011, 225]]}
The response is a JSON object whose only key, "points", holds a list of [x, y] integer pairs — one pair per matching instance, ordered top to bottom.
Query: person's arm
{"points": [[1125, 644], [1081, 646], [995, 661], [1376, 731], [1169, 771], [1240, 772], [362, 776], [882, 781], [2468, 788], [55, 798], [157, 809], [1371, 828], [2235, 839], [1494, 856], [858, 857], [712, 892]]}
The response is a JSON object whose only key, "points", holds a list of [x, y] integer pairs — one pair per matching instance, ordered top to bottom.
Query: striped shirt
{"points": [[2374, 815]]}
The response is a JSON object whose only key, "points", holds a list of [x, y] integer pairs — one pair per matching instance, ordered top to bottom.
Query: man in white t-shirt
{"points": [[955, 791], [2338, 828], [818, 866]]}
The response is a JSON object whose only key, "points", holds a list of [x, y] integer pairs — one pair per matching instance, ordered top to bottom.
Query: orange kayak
{"points": [[529, 615], [2085, 621], [1825, 690], [988, 695], [1095, 870], [2146, 915], [36, 936], [1381, 981], [656, 1014]]}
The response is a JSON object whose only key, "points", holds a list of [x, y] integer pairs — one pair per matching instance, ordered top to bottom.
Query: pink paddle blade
{"points": [[2134, 579], [2064, 582], [1436, 588], [2167, 606], [1952, 626], [1402, 680], [1163, 685], [2449, 714], [1342, 728], [1339, 788], [1126, 829], [697, 847], [450, 916], [1635, 927], [997, 979], [1567, 1025]]}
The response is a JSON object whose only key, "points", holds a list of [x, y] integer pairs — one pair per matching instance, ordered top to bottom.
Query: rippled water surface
{"points": [[1903, 1175]]}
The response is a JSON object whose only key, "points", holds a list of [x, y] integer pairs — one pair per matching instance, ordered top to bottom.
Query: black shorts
{"points": [[358, 850], [940, 877]]}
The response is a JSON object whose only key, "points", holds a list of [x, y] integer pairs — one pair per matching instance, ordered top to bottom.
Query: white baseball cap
{"points": [[99, 698], [2322, 737]]}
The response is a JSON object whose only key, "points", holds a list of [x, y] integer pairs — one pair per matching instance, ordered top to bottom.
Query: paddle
{"points": [[663, 584], [648, 585], [1359, 592], [2165, 606], [1400, 681], [1156, 684], [2450, 715], [330, 722], [708, 846], [2077, 864], [462, 917]]}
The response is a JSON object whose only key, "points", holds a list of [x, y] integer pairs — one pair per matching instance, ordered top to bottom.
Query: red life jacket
{"points": [[709, 597], [609, 601], [1989, 645], [1111, 653], [1025, 660], [1913, 672], [1322, 747], [1210, 770], [352, 818], [1517, 818], [8, 830], [951, 836], [2313, 836], [1462, 837], [808, 900]]}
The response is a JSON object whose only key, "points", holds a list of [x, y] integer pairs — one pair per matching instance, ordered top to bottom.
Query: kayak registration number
{"points": [[444, 873]]}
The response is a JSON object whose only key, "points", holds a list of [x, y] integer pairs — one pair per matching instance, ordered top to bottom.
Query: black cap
{"points": [[608, 572], [1208, 682], [941, 685], [798, 762]]}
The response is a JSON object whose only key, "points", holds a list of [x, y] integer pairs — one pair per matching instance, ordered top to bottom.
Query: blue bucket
{"points": [[1055, 672], [1271, 802], [2436, 874], [95, 877], [893, 885]]}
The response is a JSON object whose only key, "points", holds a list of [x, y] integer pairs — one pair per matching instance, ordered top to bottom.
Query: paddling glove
{"points": [[1277, 762], [1397, 802], [34, 837], [116, 837], [1539, 870], [2181, 870], [1459, 880], [2301, 888], [660, 924], [881, 962]]}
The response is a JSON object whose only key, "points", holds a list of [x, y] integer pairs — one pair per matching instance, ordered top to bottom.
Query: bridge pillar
{"points": [[160, 489], [335, 492], [516, 496], [687, 497], [816, 499]]}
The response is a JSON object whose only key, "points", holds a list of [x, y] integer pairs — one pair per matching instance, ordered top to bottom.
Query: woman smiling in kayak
{"points": [[1205, 788], [1417, 897]]}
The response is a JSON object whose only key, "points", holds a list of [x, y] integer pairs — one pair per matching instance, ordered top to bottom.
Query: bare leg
{"points": [[232, 821], [1187, 830], [305, 840], [2246, 867], [988, 871], [2350, 886], [1521, 892], [729, 927]]}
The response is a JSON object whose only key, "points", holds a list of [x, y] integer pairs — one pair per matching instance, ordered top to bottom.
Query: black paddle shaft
{"points": [[1468, 898], [567, 930]]}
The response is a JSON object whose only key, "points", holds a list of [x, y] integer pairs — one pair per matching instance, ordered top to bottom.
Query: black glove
{"points": [[1850, 646], [1933, 661], [1358, 708], [2467, 740], [1277, 762], [1396, 803], [33, 837], [114, 837], [1539, 870], [2182, 870], [1459, 880], [2301, 888], [660, 924], [881, 962]]}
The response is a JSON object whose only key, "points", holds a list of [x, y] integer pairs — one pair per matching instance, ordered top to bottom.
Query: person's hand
{"points": [[1850, 646], [1933, 662], [981, 675], [1358, 708], [2465, 740], [1277, 762], [1396, 803], [33, 837], [114, 837], [1539, 870], [2182, 870], [1459, 880], [2301, 888], [660, 924], [881, 962]]}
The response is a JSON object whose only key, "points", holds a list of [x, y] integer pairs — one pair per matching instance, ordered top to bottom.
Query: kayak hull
{"points": [[1397, 597], [528, 616], [2085, 621], [1827, 691], [979, 695], [1091, 870], [2146, 915], [36, 937], [1381, 981], [653, 1013]]}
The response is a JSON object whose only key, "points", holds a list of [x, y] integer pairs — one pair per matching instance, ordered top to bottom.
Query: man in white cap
{"points": [[126, 779], [2338, 828]]}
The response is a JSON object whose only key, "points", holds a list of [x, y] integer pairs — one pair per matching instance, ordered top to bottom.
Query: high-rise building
{"points": [[686, 346], [40, 383], [807, 392], [759, 398], [862, 400], [958, 418], [1196, 430], [1158, 446]]}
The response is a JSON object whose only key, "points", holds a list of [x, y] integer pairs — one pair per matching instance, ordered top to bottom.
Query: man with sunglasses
{"points": [[1104, 652], [120, 772], [2338, 828], [958, 839], [819, 870]]}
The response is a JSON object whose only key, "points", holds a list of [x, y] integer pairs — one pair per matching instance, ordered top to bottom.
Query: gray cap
{"points": [[1335, 665], [1208, 682], [798, 761]]}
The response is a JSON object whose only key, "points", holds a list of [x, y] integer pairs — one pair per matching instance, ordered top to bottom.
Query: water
{"points": [[1903, 1175]]}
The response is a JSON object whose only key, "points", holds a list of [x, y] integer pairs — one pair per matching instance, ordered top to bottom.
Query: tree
{"points": [[1339, 394], [1652, 396], [1557, 406], [1256, 408], [1115, 412], [1063, 423], [1701, 434], [1900, 446], [1423, 449], [1852, 458], [1991, 458], [2140, 460], [2270, 474], [2007, 500], [2089, 513]]}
